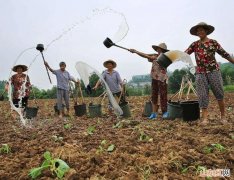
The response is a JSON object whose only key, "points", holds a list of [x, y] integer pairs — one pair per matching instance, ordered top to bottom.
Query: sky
{"points": [[26, 23]]}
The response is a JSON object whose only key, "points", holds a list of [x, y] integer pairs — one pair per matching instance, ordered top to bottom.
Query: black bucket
{"points": [[108, 43], [40, 47], [163, 60], [1, 98], [56, 108], [125, 108], [148, 109], [80, 110], [95, 110], [174, 110], [191, 111], [31, 112]]}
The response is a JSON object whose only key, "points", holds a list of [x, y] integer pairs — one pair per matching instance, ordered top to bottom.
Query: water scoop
{"points": [[108, 43], [40, 47], [165, 59]]}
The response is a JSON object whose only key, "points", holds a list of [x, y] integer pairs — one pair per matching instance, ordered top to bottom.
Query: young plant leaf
{"points": [[111, 148]]}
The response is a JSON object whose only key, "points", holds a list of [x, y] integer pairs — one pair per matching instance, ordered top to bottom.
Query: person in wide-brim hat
{"points": [[209, 29], [161, 46], [110, 61], [24, 68], [208, 74], [159, 80]]}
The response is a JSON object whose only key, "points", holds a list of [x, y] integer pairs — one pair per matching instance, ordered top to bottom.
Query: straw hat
{"points": [[209, 28], [161, 46], [109, 61], [24, 68]]}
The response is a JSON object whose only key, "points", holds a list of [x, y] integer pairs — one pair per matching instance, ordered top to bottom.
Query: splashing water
{"points": [[120, 34], [176, 56], [85, 71], [19, 110]]}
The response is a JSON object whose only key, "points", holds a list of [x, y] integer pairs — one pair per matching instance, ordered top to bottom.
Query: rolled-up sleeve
{"points": [[190, 49], [221, 51], [71, 78]]}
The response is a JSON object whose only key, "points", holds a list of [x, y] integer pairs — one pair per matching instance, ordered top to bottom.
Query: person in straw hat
{"points": [[207, 70], [113, 80], [159, 80], [21, 86]]}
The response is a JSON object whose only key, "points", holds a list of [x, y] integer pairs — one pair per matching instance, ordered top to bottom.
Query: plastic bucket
{"points": [[108, 43], [163, 60], [1, 98], [56, 108], [148, 109], [174, 109], [80, 110], [95, 110], [126, 110], [191, 110], [31, 112]]}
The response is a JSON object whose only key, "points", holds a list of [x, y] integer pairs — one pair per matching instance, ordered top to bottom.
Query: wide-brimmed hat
{"points": [[208, 28], [161, 46], [109, 61], [24, 68]]}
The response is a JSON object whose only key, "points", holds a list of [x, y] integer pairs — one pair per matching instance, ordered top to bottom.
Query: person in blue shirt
{"points": [[63, 79]]}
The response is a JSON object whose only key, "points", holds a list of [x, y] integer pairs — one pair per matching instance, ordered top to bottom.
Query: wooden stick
{"points": [[46, 67], [81, 94]]}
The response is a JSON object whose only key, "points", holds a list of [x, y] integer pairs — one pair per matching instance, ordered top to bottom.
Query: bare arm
{"points": [[150, 57], [47, 65], [97, 84]]}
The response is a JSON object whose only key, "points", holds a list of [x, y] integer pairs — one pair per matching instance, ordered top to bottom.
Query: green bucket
{"points": [[148, 109], [174, 109], [95, 110], [126, 110], [31, 112]]}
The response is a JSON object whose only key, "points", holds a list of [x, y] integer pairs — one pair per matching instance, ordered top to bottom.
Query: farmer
{"points": [[208, 71], [63, 78], [159, 80], [113, 81], [21, 86]]}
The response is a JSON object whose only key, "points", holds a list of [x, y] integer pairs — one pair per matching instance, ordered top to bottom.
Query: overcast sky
{"points": [[25, 23]]}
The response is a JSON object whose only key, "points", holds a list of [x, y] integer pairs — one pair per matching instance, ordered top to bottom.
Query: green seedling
{"points": [[118, 125], [68, 126], [91, 130], [144, 137], [57, 138], [105, 147], [212, 147], [218, 147], [111, 148], [5, 149], [208, 149], [56, 166], [200, 169], [184, 170]]}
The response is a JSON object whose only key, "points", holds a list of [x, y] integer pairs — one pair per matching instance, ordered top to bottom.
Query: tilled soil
{"points": [[144, 149]]}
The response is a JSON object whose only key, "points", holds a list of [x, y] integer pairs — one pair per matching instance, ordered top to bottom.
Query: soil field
{"points": [[138, 148]]}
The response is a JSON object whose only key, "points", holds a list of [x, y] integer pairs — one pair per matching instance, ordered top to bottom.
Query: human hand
{"points": [[95, 88]]}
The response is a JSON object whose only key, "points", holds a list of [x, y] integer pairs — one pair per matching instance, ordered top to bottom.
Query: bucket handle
{"points": [[81, 93], [72, 94]]}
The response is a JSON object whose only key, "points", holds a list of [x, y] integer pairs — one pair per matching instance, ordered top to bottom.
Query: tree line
{"points": [[227, 70]]}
